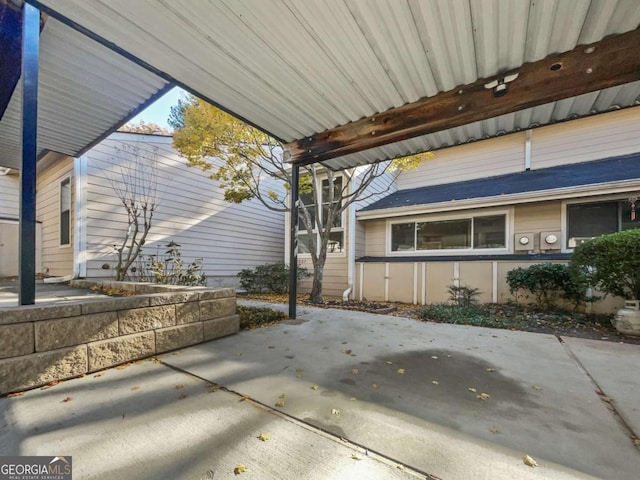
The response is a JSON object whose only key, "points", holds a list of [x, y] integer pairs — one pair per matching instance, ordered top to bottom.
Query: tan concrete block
{"points": [[80, 283], [128, 286], [146, 288], [217, 293], [169, 298], [114, 304], [219, 308], [34, 313], [187, 313], [141, 319], [221, 327], [66, 332], [178, 337], [16, 339], [107, 353], [19, 373]]}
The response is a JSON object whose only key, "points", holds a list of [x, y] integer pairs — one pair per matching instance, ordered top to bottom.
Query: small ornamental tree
{"points": [[252, 160], [135, 182], [611, 263]]}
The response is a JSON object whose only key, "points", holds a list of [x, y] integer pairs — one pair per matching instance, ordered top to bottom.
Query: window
{"points": [[65, 212], [588, 220], [470, 233], [336, 237]]}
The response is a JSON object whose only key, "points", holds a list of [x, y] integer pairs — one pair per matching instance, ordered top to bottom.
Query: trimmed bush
{"points": [[611, 263], [272, 277], [548, 282], [255, 317]]}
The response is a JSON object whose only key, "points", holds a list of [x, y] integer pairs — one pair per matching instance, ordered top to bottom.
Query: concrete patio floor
{"points": [[46, 293], [392, 391]]}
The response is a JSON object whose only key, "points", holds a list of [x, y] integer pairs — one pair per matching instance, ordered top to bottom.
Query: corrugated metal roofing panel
{"points": [[295, 67], [85, 90]]}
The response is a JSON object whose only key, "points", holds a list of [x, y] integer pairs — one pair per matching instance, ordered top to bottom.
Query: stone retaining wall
{"points": [[40, 344]]}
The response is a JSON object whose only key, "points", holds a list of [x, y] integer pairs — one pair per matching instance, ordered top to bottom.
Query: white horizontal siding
{"points": [[592, 138], [482, 159], [9, 195], [191, 212], [56, 260]]}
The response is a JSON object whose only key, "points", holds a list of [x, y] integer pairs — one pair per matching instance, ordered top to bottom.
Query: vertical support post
{"points": [[30, 57], [293, 240]]}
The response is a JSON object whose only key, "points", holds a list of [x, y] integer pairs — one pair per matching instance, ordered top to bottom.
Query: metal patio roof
{"points": [[295, 68], [85, 92]]}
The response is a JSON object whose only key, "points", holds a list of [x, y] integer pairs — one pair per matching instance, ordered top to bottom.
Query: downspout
{"points": [[79, 223], [351, 244]]}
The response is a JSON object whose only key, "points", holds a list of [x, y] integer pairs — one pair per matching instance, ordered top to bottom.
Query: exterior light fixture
{"points": [[500, 87]]}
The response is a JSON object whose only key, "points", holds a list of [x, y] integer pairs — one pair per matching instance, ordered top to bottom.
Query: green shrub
{"points": [[611, 263], [272, 277], [548, 282], [463, 295], [254, 317]]}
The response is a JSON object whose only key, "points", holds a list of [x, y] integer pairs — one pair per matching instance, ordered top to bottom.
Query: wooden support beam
{"points": [[613, 61]]}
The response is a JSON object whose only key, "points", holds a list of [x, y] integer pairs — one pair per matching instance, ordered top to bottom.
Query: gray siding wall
{"points": [[592, 138], [9, 194], [192, 212], [57, 260]]}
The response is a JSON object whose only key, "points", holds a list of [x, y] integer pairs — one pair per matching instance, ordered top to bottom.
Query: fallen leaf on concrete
{"points": [[347, 352], [175, 353], [239, 354], [449, 356], [434, 357], [388, 362], [491, 369], [355, 371], [401, 371], [299, 372], [98, 375], [435, 382], [375, 385], [179, 386], [314, 387], [536, 387], [135, 388], [213, 388], [471, 389], [16, 394], [282, 395], [484, 396], [182, 397], [244, 397], [67, 399], [353, 399], [607, 399], [280, 403], [335, 411], [494, 430], [264, 437], [355, 457], [529, 461], [239, 469]]}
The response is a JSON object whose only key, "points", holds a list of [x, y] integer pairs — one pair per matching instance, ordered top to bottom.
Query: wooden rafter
{"points": [[613, 61]]}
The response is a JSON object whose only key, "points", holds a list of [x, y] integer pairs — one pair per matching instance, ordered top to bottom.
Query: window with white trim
{"points": [[65, 212], [589, 220], [468, 233], [336, 236]]}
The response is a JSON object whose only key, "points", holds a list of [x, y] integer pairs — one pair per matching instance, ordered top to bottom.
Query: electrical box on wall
{"points": [[550, 240], [524, 242]]}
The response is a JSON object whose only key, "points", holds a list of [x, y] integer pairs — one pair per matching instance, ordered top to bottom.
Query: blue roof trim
{"points": [[626, 167], [540, 257]]}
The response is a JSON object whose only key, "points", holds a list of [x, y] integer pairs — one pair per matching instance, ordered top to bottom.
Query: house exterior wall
{"points": [[591, 138], [9, 195], [191, 212], [56, 260], [390, 276], [336, 278]]}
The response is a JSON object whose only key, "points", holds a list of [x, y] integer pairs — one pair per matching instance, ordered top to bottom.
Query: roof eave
{"points": [[501, 200]]}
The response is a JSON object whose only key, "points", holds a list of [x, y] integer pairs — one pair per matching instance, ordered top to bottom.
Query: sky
{"points": [[158, 112]]}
